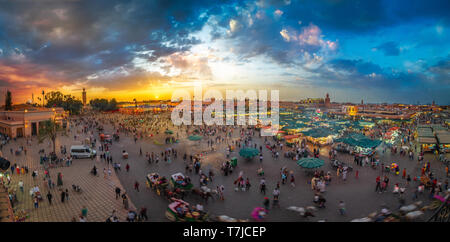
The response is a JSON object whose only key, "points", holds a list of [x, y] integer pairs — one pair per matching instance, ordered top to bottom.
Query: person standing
{"points": [[127, 167], [446, 171], [404, 173], [344, 175], [59, 180], [221, 192], [67, 194], [63, 196], [125, 200], [36, 202], [84, 211], [143, 214]]}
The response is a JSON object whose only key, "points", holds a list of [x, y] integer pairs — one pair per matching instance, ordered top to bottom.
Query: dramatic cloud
{"points": [[129, 46]]}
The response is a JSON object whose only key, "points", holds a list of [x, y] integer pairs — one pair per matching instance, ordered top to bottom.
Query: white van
{"points": [[81, 151]]}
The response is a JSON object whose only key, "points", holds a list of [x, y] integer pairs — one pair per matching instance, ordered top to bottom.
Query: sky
{"points": [[376, 51]]}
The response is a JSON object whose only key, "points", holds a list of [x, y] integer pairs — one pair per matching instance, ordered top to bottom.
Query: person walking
{"points": [[127, 167], [446, 171], [404, 173], [356, 174], [136, 186], [262, 186], [378, 186], [117, 190], [276, 193], [49, 197], [125, 200], [266, 203], [342, 208], [143, 214]]}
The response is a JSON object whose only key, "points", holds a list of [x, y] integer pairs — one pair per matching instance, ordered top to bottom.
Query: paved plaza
{"points": [[97, 192], [358, 194]]}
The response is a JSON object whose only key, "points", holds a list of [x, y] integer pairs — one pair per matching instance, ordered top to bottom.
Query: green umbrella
{"points": [[168, 131], [195, 137], [248, 152], [310, 163]]}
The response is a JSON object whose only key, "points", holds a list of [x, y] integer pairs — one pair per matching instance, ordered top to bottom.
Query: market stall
{"points": [[428, 144]]}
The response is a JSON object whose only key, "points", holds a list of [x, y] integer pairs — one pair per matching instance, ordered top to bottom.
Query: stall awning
{"points": [[291, 136], [444, 139], [427, 140]]}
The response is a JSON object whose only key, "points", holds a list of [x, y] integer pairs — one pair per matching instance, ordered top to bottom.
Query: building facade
{"points": [[25, 123]]}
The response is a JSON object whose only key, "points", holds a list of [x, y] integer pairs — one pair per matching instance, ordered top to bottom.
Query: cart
{"points": [[178, 181], [157, 182], [179, 211]]}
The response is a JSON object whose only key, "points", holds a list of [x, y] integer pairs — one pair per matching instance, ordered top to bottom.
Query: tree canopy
{"points": [[68, 102], [103, 104]]}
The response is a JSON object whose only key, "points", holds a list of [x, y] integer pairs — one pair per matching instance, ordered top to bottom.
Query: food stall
{"points": [[292, 139], [443, 141], [428, 144]]}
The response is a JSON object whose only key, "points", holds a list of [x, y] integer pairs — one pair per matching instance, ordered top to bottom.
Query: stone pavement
{"points": [[358, 193], [97, 194]]}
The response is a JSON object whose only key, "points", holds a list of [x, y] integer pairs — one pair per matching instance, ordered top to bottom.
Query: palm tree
{"points": [[43, 98], [49, 130]]}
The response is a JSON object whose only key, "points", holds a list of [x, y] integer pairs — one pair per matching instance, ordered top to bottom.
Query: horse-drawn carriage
{"points": [[180, 181], [157, 182], [204, 192], [179, 211]]}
